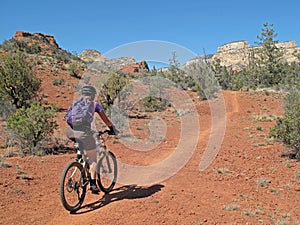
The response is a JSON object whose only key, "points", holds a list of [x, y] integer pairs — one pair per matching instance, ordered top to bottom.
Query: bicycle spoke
{"points": [[107, 172], [72, 189]]}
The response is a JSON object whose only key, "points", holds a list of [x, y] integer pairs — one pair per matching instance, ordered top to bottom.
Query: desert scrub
{"points": [[58, 81], [263, 118], [32, 125], [286, 129], [3, 163], [223, 171], [297, 175], [262, 182], [232, 207]]}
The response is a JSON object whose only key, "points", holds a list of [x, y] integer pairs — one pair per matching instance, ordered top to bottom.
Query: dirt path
{"points": [[247, 182]]}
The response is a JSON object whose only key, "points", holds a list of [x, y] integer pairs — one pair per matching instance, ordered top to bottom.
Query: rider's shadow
{"points": [[121, 193]]}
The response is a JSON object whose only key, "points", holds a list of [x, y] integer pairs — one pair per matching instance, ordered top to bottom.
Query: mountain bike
{"points": [[76, 175]]}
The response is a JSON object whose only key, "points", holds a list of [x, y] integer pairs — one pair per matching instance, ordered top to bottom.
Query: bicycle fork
{"points": [[104, 156]]}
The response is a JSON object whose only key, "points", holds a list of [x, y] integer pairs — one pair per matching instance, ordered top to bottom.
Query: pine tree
{"points": [[268, 58]]}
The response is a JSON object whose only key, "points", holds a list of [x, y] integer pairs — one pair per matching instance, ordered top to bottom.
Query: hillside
{"points": [[62, 72], [248, 182]]}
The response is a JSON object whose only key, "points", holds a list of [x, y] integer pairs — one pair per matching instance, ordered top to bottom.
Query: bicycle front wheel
{"points": [[107, 171], [72, 186]]}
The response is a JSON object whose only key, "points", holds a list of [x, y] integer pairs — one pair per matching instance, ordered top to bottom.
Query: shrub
{"points": [[14, 45], [33, 49], [74, 70], [202, 79], [58, 82], [18, 83], [112, 87], [153, 104], [5, 109], [32, 125], [286, 129], [3, 164]]}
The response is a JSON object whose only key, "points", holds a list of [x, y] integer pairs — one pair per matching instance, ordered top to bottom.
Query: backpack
{"points": [[81, 112]]}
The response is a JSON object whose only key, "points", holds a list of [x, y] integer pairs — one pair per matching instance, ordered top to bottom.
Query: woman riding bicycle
{"points": [[82, 132]]}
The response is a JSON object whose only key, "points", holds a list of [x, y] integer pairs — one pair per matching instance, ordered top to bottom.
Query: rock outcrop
{"points": [[45, 37], [38, 44], [240, 53], [91, 55], [96, 61], [135, 68]]}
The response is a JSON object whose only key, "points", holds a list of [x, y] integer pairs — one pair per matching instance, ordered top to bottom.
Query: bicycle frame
{"points": [[101, 150], [73, 185]]}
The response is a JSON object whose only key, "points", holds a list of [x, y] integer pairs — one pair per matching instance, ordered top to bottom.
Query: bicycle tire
{"points": [[107, 172], [72, 187]]}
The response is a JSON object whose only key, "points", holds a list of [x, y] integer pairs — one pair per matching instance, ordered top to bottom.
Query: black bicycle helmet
{"points": [[88, 91]]}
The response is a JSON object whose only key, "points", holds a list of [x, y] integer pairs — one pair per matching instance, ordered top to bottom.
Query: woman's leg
{"points": [[92, 155]]}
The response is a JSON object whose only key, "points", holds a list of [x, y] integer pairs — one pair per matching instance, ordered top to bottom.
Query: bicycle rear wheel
{"points": [[107, 171], [72, 186]]}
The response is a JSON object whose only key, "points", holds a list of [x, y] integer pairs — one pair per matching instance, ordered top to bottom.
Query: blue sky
{"points": [[195, 25]]}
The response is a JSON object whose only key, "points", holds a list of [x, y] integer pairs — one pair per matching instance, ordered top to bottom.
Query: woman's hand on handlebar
{"points": [[112, 130]]}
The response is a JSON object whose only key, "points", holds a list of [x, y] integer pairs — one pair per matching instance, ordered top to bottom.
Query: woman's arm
{"points": [[105, 119]]}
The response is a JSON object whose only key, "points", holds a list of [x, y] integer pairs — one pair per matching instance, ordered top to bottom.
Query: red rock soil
{"points": [[229, 191]]}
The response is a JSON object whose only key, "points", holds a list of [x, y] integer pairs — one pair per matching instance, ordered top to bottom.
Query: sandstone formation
{"points": [[45, 37], [240, 53], [91, 55], [97, 61], [135, 68]]}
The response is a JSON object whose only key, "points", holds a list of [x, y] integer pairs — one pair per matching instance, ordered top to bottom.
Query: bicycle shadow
{"points": [[121, 193]]}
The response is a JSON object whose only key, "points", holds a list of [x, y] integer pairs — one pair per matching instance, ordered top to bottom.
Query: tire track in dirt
{"points": [[233, 101], [222, 108], [216, 132]]}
